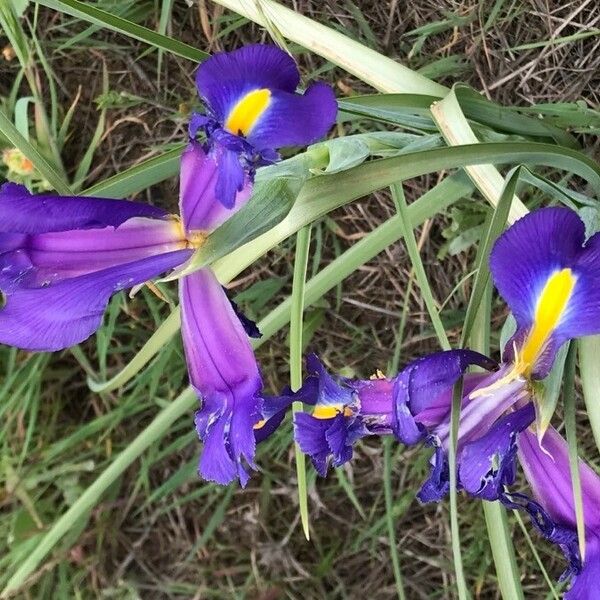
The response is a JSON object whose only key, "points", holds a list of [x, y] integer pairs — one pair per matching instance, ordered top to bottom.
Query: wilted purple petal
{"points": [[224, 372], [487, 464]]}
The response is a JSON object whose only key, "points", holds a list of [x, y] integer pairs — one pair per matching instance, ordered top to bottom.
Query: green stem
{"points": [[296, 346], [571, 431]]}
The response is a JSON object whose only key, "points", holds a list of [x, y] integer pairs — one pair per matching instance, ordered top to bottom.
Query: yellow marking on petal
{"points": [[247, 111], [550, 308], [331, 410], [260, 424]]}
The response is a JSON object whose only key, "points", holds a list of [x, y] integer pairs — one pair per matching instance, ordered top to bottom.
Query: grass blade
{"points": [[88, 12], [381, 72], [456, 130], [31, 152], [417, 265], [296, 328], [589, 350], [571, 433]]}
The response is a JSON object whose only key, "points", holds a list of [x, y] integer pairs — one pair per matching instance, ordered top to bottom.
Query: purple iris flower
{"points": [[252, 110], [62, 258], [550, 278], [344, 410], [552, 511]]}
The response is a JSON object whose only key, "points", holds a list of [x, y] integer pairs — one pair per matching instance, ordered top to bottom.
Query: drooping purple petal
{"points": [[226, 77], [294, 119], [200, 205], [22, 212], [45, 258], [68, 312], [225, 374], [423, 390], [275, 407], [310, 434], [487, 464], [547, 471], [553, 513], [585, 584]]}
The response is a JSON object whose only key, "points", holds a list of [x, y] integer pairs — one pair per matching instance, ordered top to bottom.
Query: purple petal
{"points": [[227, 76], [294, 119], [231, 177], [201, 209], [22, 212], [527, 253], [52, 257], [524, 259], [68, 312], [224, 372], [424, 388], [331, 392], [310, 434], [488, 463], [548, 474], [437, 484], [585, 584]]}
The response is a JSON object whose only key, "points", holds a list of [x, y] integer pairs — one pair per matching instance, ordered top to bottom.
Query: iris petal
{"points": [[226, 77], [295, 119], [200, 207], [22, 212], [551, 282], [66, 313], [224, 372]]}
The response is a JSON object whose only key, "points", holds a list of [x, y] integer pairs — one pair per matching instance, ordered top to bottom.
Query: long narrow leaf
{"points": [[88, 12]]}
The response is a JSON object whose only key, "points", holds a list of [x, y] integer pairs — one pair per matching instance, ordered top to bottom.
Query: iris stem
{"points": [[296, 347], [571, 431]]}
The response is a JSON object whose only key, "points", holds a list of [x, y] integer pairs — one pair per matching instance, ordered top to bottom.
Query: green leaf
{"points": [[88, 12], [140, 177], [271, 201], [298, 299], [589, 351], [547, 392], [571, 432]]}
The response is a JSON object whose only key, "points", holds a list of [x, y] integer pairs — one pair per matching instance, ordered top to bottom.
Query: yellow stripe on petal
{"points": [[247, 111], [549, 310], [331, 410]]}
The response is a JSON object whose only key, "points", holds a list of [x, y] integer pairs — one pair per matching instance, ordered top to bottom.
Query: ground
{"points": [[162, 533]]}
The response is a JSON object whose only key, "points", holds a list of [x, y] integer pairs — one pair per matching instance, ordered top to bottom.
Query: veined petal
{"points": [[225, 78], [295, 119], [201, 209], [22, 212], [52, 257], [550, 280], [68, 312], [224, 372], [423, 391], [487, 464], [547, 471], [548, 474]]}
